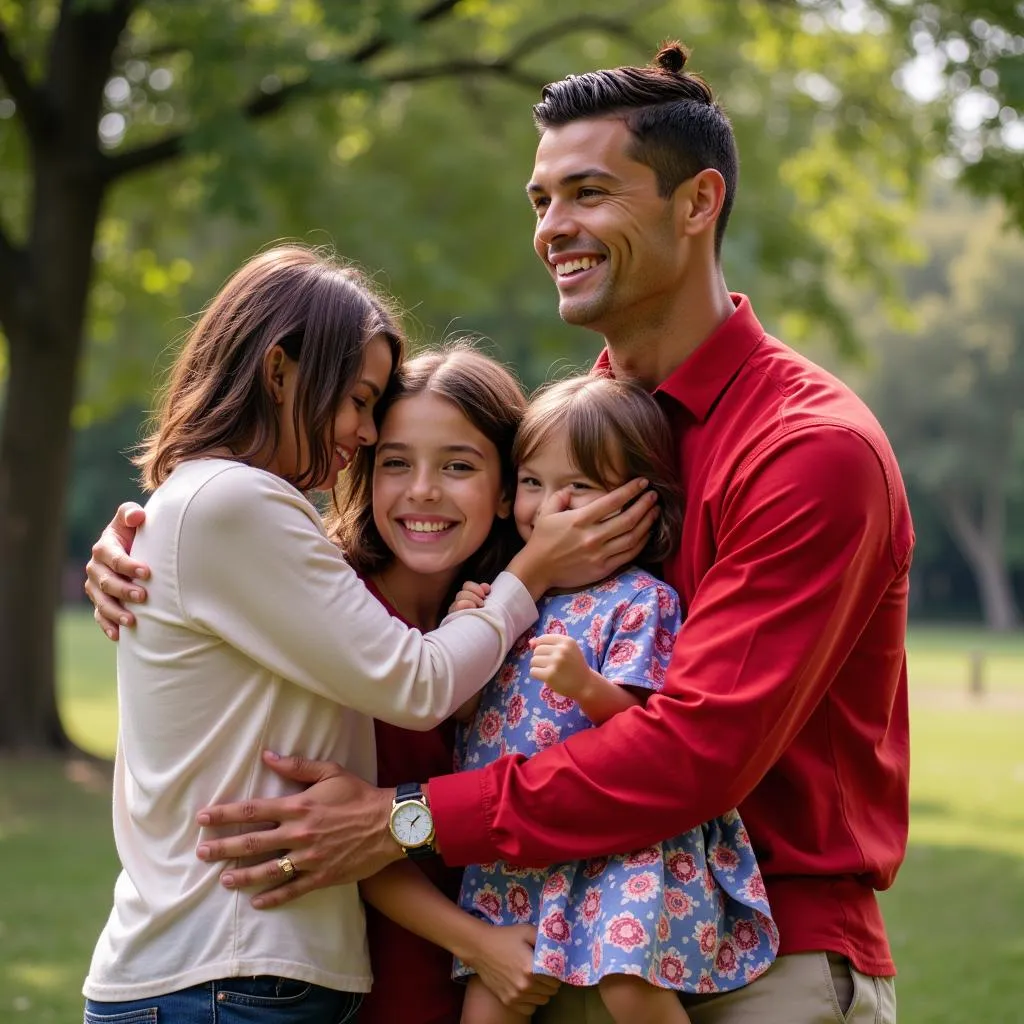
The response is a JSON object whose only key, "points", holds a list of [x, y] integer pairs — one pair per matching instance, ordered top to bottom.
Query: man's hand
{"points": [[111, 576], [558, 661], [335, 832]]}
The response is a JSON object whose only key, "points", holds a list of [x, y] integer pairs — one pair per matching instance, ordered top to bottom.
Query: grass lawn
{"points": [[956, 913]]}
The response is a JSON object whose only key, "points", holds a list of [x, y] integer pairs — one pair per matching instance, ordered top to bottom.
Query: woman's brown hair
{"points": [[321, 312], [490, 397], [615, 432]]}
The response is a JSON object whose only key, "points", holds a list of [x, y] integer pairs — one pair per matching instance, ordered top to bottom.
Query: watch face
{"points": [[412, 824]]}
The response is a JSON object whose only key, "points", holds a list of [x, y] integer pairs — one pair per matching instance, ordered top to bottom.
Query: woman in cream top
{"points": [[258, 635]]}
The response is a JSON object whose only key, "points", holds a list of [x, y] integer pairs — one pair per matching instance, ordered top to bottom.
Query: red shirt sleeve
{"points": [[805, 553]]}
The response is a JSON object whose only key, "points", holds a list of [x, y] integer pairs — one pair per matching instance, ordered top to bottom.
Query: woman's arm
{"points": [[566, 549], [255, 569], [501, 956]]}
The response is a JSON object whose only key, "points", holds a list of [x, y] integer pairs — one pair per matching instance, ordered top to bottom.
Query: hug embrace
{"points": [[591, 707]]}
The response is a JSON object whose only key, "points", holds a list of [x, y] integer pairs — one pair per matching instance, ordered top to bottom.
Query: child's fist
{"points": [[472, 595], [559, 662]]}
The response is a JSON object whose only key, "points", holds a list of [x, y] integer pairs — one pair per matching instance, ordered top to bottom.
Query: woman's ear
{"points": [[274, 371], [504, 506]]}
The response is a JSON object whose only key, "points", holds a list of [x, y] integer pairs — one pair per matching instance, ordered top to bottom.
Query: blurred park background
{"points": [[148, 146]]}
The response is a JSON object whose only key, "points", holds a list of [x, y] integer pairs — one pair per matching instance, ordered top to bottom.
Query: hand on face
{"points": [[574, 548]]}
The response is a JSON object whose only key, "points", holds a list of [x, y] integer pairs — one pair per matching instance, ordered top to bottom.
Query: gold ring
{"points": [[287, 867]]}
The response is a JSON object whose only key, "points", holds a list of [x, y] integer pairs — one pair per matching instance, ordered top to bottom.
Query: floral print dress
{"points": [[688, 914]]}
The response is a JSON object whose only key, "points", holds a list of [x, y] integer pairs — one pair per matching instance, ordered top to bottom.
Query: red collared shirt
{"points": [[787, 691]]}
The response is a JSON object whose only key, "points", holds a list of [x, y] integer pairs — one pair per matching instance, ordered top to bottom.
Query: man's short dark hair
{"points": [[678, 129]]}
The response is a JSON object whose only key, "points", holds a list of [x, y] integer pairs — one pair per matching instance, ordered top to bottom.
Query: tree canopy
{"points": [[148, 146]]}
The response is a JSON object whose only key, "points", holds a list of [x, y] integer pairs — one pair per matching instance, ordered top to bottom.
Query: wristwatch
{"points": [[411, 824]]}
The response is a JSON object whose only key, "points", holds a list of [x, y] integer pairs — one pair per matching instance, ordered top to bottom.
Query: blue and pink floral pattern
{"points": [[688, 914]]}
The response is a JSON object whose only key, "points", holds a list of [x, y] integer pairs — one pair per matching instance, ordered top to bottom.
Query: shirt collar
{"points": [[700, 379]]}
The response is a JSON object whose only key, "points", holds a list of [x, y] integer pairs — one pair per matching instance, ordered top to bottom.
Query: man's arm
{"points": [[806, 552]]}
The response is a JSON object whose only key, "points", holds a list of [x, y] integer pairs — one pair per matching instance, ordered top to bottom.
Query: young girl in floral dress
{"points": [[688, 914]]}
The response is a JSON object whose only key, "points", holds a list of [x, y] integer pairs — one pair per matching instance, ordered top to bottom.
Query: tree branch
{"points": [[535, 40], [381, 42], [155, 52], [461, 69], [28, 100], [264, 104], [260, 105]]}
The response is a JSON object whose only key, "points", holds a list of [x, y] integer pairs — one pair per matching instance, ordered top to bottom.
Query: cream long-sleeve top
{"points": [[256, 635]]}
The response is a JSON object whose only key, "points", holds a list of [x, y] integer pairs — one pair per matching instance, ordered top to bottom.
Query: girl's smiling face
{"points": [[437, 485]]}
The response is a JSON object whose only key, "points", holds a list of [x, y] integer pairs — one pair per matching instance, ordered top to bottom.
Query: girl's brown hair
{"points": [[320, 311], [490, 397], [615, 431]]}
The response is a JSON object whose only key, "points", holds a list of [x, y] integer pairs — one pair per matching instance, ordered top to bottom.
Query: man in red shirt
{"points": [[787, 691]]}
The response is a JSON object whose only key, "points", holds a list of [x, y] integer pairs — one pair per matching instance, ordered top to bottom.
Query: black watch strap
{"points": [[408, 790]]}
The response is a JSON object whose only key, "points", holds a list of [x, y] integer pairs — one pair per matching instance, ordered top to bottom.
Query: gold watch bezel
{"points": [[396, 804]]}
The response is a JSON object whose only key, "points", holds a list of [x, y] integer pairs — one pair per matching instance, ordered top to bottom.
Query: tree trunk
{"points": [[43, 308], [45, 344], [34, 453], [983, 547], [997, 598]]}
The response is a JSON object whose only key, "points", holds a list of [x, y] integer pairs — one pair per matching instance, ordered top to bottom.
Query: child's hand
{"points": [[472, 595], [559, 662]]}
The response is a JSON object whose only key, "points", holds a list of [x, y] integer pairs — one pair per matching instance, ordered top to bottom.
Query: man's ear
{"points": [[699, 202], [273, 372]]}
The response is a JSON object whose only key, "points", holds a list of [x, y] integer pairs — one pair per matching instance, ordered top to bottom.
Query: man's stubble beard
{"points": [[586, 312]]}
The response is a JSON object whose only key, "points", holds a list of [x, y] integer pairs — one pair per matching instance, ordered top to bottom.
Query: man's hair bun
{"points": [[672, 57]]}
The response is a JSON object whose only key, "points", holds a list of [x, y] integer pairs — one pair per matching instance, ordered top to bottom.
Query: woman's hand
{"points": [[575, 547], [111, 576], [472, 595], [502, 957]]}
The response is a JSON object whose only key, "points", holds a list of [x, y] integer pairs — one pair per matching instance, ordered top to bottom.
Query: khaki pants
{"points": [[803, 988]]}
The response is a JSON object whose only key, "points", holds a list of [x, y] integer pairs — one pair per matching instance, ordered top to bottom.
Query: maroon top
{"points": [[787, 691], [412, 978]]}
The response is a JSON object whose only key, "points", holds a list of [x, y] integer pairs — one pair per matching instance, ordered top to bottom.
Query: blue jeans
{"points": [[261, 1000]]}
